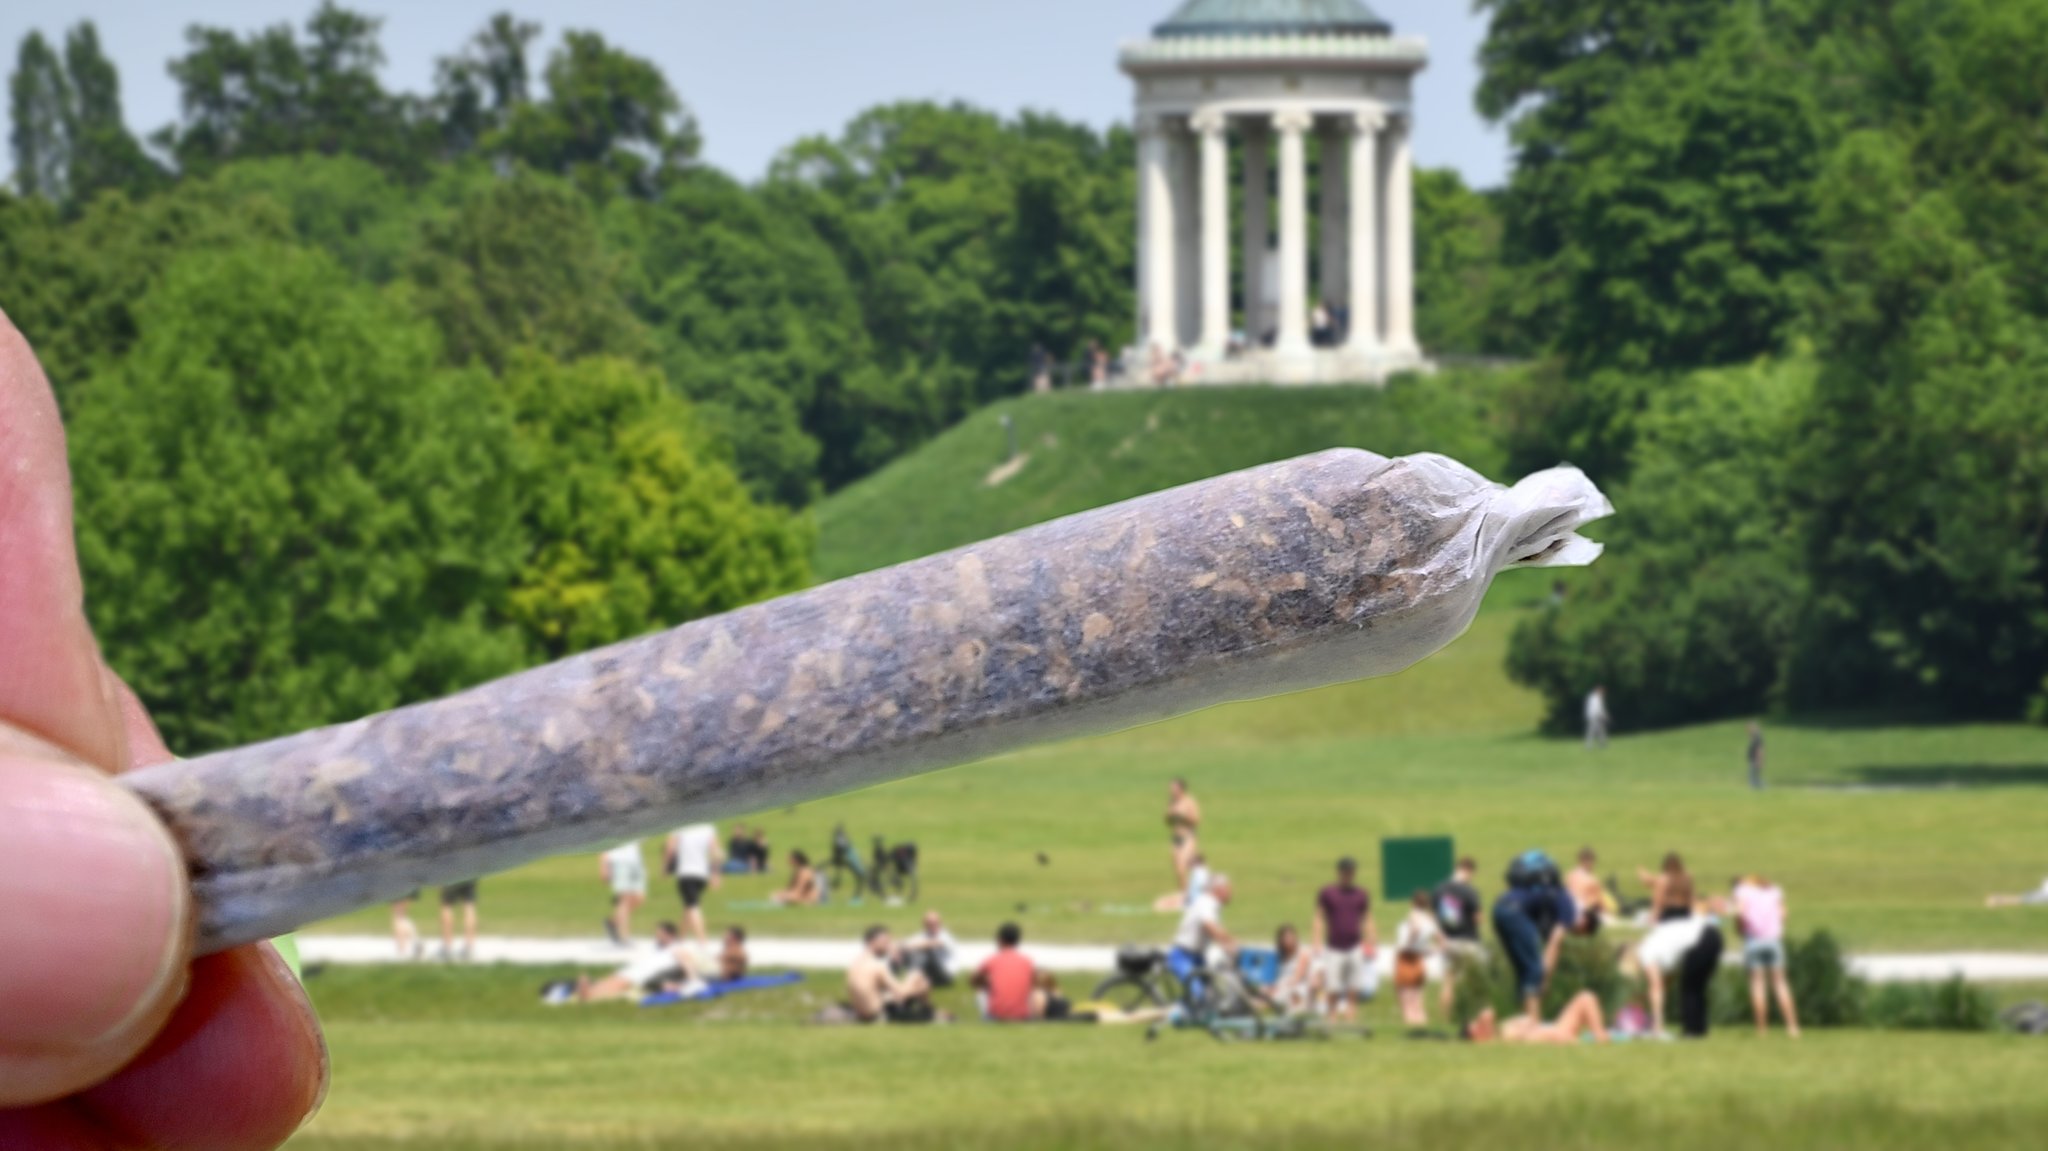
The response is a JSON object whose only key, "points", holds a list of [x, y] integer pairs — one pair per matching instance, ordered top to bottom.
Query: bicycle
{"points": [[892, 873], [1141, 980]]}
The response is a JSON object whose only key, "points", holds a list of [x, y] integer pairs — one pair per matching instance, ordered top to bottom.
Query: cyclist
{"points": [[1201, 927]]}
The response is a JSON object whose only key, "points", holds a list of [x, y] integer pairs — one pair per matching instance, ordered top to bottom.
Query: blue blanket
{"points": [[719, 988]]}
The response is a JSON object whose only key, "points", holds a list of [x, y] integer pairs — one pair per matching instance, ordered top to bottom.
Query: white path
{"points": [[827, 954]]}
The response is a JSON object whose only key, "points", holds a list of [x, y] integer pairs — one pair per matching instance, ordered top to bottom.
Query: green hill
{"points": [[1079, 450]]}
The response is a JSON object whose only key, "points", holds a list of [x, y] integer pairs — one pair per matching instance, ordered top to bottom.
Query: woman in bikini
{"points": [[1183, 825], [1671, 890], [1580, 1016]]}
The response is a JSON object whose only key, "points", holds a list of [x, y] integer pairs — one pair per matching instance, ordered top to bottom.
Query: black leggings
{"points": [[1696, 981]]}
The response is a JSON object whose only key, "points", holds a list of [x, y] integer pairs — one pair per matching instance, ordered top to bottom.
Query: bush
{"points": [[1582, 965], [1827, 993], [1950, 1006]]}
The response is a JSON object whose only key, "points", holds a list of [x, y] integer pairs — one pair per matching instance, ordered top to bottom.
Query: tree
{"points": [[477, 91], [271, 94], [40, 114], [610, 120], [104, 154], [520, 262], [1460, 303], [290, 513], [637, 522], [1690, 613]]}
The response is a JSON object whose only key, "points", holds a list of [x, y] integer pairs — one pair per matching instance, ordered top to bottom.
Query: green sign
{"points": [[1408, 864]]}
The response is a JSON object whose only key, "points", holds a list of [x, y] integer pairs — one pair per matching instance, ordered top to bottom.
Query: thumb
{"points": [[92, 891]]}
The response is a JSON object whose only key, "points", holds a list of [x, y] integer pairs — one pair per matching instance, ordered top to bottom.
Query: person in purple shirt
{"points": [[1344, 938]]}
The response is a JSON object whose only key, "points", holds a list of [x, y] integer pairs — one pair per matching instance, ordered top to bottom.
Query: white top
{"points": [[1596, 706], [693, 850], [623, 857], [1198, 880], [1202, 909], [1418, 934], [1667, 944], [940, 946], [652, 964]]}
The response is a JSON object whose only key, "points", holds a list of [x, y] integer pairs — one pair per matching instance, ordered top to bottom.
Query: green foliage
{"points": [[272, 93], [39, 111], [610, 121], [68, 139], [519, 262], [1460, 294], [295, 516], [634, 519], [1689, 614], [1583, 964], [1827, 993], [1952, 1005]]}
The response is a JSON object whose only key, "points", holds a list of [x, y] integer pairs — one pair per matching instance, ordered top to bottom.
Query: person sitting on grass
{"points": [[804, 889], [930, 951], [732, 954], [668, 966], [1006, 981], [1298, 985], [875, 994], [1046, 1001], [1580, 1017]]}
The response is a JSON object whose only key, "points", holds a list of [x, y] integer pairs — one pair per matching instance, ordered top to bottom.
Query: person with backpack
{"points": [[1531, 918]]}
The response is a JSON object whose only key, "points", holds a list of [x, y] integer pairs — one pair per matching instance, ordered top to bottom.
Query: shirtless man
{"points": [[1183, 824], [1587, 892], [876, 994], [1580, 1016]]}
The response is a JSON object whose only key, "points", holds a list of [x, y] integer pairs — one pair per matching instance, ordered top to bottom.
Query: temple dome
{"points": [[1273, 17]]}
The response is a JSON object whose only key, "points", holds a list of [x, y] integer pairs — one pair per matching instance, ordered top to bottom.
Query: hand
{"points": [[110, 1034]]}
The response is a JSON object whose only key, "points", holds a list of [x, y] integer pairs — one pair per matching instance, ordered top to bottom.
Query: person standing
{"points": [[1041, 369], [1597, 718], [1756, 756], [1183, 829], [696, 860], [626, 872], [1671, 889], [461, 895], [1457, 912], [1760, 917], [403, 933], [1343, 935], [1418, 938]]}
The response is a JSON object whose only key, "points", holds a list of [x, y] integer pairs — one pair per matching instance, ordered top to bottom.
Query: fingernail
{"points": [[93, 897]]}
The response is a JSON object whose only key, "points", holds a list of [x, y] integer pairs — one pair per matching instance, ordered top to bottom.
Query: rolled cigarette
{"points": [[1326, 568]]}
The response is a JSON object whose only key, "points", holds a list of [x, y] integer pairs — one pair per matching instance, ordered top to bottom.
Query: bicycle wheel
{"points": [[1133, 993]]}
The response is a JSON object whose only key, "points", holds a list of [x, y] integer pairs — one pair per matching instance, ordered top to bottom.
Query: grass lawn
{"points": [[464, 1059]]}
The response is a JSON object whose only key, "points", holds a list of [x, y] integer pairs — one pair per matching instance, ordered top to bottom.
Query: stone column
{"points": [[1209, 124], [1256, 223], [1187, 233], [1400, 242], [1155, 247], [1333, 283], [1364, 337], [1293, 339]]}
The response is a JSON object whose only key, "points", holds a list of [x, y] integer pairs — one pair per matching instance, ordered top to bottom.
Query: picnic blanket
{"points": [[719, 988]]}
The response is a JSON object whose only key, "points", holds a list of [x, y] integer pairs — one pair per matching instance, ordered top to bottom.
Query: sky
{"points": [[760, 74]]}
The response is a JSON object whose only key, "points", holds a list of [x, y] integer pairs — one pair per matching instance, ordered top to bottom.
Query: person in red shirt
{"points": [[1006, 979]]}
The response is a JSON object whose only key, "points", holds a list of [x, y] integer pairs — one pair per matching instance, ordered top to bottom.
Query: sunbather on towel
{"points": [[668, 966]]}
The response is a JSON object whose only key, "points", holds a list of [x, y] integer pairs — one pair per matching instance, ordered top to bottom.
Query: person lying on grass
{"points": [[803, 889], [669, 966], [1580, 1017]]}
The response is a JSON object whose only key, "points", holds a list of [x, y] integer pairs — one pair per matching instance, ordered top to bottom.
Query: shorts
{"points": [[629, 878], [691, 888], [454, 893], [1763, 954], [1350, 972], [908, 1011]]}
